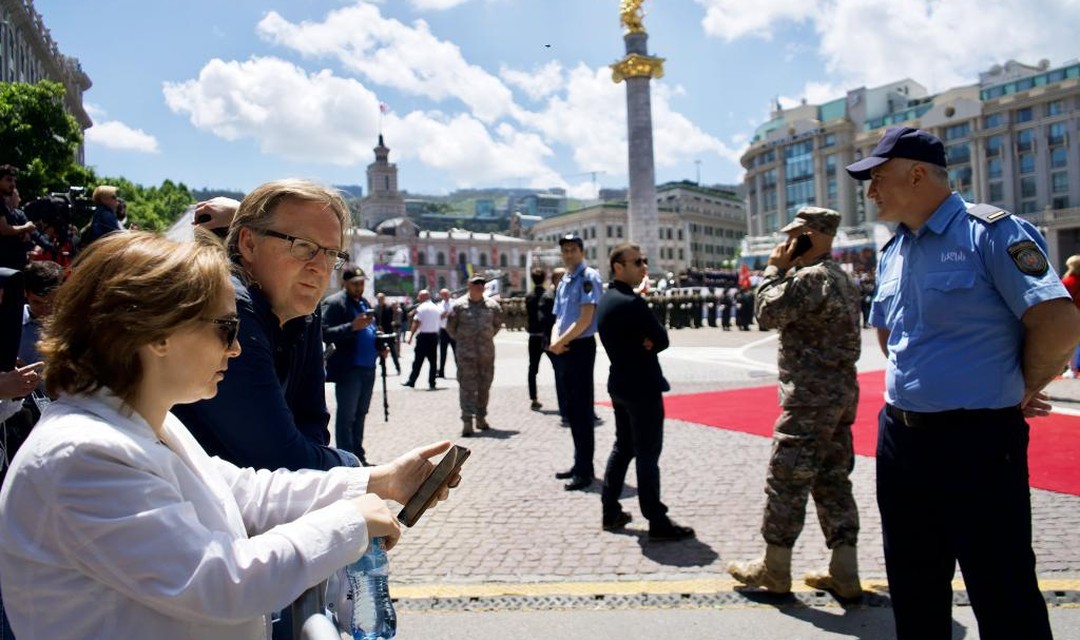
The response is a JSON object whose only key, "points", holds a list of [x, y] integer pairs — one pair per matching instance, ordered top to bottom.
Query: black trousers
{"points": [[445, 341], [426, 345], [536, 352], [575, 370], [639, 436], [957, 490]]}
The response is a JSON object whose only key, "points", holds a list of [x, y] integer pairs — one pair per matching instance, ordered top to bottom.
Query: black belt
{"points": [[921, 420]]}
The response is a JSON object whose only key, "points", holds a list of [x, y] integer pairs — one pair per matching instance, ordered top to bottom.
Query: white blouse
{"points": [[107, 532]]}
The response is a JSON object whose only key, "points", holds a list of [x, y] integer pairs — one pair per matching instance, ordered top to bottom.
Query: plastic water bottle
{"points": [[373, 615]]}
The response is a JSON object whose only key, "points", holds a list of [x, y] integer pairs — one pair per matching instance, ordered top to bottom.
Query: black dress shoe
{"points": [[408, 384], [564, 475], [578, 483], [617, 522], [670, 532]]}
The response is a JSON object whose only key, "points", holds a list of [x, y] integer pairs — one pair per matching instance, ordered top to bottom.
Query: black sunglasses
{"points": [[305, 250], [638, 262], [229, 328]]}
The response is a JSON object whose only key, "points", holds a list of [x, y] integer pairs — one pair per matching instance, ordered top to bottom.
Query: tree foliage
{"points": [[38, 137]]}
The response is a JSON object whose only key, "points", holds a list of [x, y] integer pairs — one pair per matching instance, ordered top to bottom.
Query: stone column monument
{"points": [[636, 69]]}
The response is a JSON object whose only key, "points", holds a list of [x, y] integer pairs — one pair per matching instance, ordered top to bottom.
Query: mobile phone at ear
{"points": [[802, 245], [439, 478]]}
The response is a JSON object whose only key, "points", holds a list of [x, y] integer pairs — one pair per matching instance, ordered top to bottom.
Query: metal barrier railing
{"points": [[309, 620]]}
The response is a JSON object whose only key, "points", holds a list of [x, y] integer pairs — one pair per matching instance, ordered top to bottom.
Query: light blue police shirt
{"points": [[571, 294], [952, 296]]}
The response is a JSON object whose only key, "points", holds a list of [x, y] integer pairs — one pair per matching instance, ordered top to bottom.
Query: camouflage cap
{"points": [[822, 220]]}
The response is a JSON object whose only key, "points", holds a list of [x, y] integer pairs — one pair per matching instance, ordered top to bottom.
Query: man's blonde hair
{"points": [[258, 208]]}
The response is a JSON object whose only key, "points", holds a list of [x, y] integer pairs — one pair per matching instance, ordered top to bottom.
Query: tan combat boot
{"points": [[467, 428], [771, 573], [842, 576]]}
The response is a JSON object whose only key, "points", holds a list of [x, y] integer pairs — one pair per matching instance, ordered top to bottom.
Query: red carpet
{"points": [[1053, 454]]}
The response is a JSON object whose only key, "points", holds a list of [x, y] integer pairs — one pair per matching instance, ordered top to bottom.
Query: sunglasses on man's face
{"points": [[637, 263], [228, 328]]}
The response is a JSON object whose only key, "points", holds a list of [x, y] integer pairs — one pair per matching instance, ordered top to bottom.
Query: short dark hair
{"points": [[8, 170], [617, 253], [42, 276], [538, 276]]}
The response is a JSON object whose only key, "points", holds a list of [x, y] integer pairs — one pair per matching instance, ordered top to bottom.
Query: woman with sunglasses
{"points": [[114, 522]]}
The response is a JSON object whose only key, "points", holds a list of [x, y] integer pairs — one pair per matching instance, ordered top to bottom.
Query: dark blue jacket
{"points": [[338, 312], [623, 320], [270, 410]]}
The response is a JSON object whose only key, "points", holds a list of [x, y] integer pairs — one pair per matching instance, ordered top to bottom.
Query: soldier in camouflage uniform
{"points": [[815, 306], [473, 322]]}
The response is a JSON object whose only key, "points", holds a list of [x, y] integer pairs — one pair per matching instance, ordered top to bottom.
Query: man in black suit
{"points": [[384, 319], [349, 324], [632, 337]]}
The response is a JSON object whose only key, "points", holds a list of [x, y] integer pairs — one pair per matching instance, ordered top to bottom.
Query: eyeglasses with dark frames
{"points": [[306, 250], [637, 263], [228, 328]]}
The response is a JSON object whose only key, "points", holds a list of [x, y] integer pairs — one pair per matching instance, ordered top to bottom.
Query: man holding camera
{"points": [[815, 306], [349, 325]]}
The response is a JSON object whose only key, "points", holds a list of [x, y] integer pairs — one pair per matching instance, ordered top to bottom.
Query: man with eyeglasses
{"points": [[815, 306], [632, 337], [270, 411]]}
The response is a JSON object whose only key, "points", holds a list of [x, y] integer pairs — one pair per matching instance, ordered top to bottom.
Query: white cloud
{"points": [[436, 5], [733, 19], [938, 43], [389, 53], [538, 83], [304, 117], [113, 134]]}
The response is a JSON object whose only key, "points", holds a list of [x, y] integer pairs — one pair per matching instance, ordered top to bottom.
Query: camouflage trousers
{"points": [[474, 381], [812, 455]]}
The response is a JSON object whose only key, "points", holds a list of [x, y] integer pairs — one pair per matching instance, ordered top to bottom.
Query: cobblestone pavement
{"points": [[511, 522]]}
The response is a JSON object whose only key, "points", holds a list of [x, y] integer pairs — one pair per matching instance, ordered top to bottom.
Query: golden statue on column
{"points": [[631, 15]]}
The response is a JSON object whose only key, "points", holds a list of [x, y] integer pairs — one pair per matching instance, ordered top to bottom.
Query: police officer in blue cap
{"points": [[974, 323], [575, 347]]}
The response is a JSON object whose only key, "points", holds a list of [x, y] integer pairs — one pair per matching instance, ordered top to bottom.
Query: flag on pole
{"points": [[383, 107]]}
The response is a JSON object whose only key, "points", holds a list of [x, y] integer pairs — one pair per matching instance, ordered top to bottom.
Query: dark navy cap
{"points": [[900, 142], [572, 237]]}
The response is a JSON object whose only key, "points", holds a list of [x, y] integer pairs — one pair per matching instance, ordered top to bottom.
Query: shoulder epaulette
{"points": [[987, 213]]}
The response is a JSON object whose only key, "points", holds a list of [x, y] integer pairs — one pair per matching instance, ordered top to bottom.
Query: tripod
{"points": [[385, 398]]}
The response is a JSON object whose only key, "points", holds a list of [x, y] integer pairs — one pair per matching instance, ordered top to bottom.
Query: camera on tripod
{"points": [[384, 341]]}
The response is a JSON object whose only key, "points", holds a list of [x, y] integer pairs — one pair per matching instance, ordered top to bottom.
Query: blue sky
{"points": [[500, 93]]}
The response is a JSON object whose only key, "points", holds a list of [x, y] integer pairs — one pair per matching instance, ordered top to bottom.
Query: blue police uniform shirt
{"points": [[582, 286], [952, 296]]}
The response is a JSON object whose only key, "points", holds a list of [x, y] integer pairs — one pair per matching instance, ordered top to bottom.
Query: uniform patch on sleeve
{"points": [[1028, 258], [587, 286]]}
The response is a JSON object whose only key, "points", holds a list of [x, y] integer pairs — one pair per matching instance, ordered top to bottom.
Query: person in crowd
{"points": [[215, 215], [104, 220], [15, 228], [284, 240], [1071, 280], [40, 281], [866, 289], [548, 301], [727, 302], [814, 304], [744, 308], [539, 309], [384, 319], [473, 322], [145, 323], [349, 324], [974, 324], [575, 325], [425, 328], [632, 337], [445, 339]]}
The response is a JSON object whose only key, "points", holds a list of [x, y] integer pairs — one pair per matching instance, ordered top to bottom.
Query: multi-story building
{"points": [[29, 54], [1012, 140], [384, 201], [700, 227], [392, 242]]}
